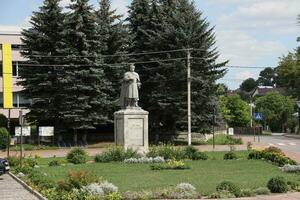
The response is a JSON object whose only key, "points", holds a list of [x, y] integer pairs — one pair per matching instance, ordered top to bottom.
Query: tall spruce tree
{"points": [[179, 26], [114, 37], [41, 83], [85, 90]]}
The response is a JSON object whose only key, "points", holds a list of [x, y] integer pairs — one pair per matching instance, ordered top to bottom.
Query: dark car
{"points": [[4, 166]]}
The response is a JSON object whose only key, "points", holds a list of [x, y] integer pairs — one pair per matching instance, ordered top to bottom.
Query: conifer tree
{"points": [[181, 27], [114, 37], [41, 83], [85, 90]]}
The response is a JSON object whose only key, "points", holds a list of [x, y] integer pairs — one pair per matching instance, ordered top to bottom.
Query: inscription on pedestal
{"points": [[136, 132]]}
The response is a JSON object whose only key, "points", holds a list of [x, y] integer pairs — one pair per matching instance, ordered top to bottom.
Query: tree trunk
{"points": [[84, 136], [75, 137]]}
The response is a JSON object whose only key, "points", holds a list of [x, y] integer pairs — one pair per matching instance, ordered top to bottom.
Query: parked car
{"points": [[4, 166]]}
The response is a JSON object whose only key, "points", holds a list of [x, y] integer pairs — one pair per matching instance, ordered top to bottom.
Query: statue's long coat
{"points": [[129, 88]]}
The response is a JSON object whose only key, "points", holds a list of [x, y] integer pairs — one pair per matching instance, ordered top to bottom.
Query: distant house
{"points": [[263, 90]]}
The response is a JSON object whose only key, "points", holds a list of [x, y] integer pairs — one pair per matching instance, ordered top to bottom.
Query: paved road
{"points": [[290, 146], [12, 190]]}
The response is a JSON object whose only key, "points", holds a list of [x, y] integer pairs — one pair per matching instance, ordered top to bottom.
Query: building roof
{"points": [[263, 90]]}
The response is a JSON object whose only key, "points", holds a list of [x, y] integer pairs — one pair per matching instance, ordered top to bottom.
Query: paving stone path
{"points": [[10, 189]]}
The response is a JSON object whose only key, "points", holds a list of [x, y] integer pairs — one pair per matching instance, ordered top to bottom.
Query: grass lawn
{"points": [[204, 175]]}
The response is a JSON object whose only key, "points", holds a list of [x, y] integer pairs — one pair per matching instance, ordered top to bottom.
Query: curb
{"points": [[292, 136], [27, 187]]}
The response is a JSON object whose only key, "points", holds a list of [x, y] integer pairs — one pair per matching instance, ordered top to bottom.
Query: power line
{"points": [[117, 54]]}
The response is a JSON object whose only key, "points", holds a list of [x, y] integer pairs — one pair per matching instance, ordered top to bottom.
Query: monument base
{"points": [[131, 129]]}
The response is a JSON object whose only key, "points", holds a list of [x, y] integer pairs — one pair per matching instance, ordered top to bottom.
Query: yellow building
{"points": [[18, 101]]}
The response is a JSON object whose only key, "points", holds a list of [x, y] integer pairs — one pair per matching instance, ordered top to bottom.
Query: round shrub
{"points": [[4, 137], [117, 154], [77, 156], [230, 156], [277, 185], [230, 187]]}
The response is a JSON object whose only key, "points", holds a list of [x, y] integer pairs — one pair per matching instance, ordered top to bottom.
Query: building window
{"points": [[15, 68], [19, 101]]}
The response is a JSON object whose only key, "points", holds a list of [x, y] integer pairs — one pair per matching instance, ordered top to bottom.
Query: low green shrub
{"points": [[4, 138], [273, 149], [167, 152], [192, 153], [116, 154], [77, 156], [230, 156], [276, 158], [13, 161], [31, 162], [54, 163], [172, 164], [77, 179], [40, 180], [277, 185], [293, 185], [230, 187], [262, 191], [247, 193], [222, 195], [115, 196]]}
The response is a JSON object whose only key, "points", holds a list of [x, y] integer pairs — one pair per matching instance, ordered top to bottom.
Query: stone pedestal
{"points": [[131, 128]]}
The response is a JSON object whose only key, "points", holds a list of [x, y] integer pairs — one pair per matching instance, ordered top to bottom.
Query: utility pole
{"points": [[189, 96]]}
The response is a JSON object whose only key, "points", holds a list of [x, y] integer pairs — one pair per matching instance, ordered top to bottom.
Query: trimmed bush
{"points": [[4, 137], [116, 154], [77, 156], [230, 156], [277, 185], [230, 187], [262, 191]]}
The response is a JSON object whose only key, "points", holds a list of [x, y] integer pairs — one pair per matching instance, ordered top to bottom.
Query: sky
{"points": [[248, 32]]}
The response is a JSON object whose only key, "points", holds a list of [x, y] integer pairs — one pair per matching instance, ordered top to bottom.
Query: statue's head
{"points": [[132, 67]]}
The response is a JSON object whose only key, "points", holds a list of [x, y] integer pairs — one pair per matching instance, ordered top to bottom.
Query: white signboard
{"points": [[25, 131], [46, 131], [230, 131]]}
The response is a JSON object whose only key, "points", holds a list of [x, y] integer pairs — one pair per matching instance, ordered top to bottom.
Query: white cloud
{"points": [[275, 17], [242, 48]]}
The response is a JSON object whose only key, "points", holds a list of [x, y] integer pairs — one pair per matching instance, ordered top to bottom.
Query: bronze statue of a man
{"points": [[129, 92]]}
